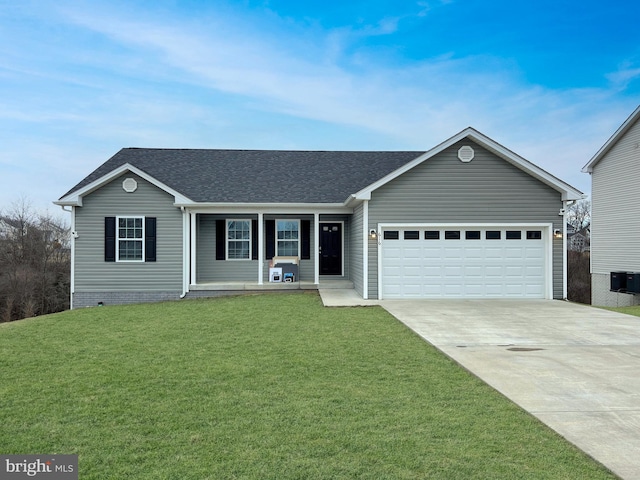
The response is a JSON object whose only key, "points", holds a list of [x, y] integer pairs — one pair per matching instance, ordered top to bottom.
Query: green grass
{"points": [[633, 310], [265, 387]]}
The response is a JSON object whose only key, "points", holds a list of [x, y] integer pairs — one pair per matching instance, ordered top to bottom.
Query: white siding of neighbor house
{"points": [[444, 189], [615, 223], [93, 274]]}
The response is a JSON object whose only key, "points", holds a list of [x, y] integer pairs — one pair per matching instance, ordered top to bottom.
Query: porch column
{"points": [[260, 248], [316, 249], [365, 249], [186, 251], [192, 251]]}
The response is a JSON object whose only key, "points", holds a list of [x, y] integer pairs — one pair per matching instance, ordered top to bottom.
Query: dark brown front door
{"points": [[330, 249]]}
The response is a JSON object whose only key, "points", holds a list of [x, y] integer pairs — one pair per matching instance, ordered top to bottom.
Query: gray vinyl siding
{"points": [[444, 189], [615, 224], [355, 249], [208, 269], [93, 274]]}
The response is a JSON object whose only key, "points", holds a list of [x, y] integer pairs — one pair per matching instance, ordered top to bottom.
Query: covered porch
{"points": [[233, 249]]}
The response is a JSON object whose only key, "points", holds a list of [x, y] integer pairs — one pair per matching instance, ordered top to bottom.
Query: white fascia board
{"points": [[628, 123], [568, 192], [75, 199], [269, 208]]}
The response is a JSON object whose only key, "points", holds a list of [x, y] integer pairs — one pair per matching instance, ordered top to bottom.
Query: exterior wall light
{"points": [[557, 233], [373, 234]]}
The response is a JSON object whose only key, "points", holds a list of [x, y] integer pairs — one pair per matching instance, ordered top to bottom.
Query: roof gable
{"points": [[619, 133], [568, 192], [74, 196]]}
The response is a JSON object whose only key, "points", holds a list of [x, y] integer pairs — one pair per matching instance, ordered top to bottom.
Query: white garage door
{"points": [[465, 262]]}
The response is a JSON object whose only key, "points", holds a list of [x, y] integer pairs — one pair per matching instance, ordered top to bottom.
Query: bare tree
{"points": [[579, 214], [34, 263]]}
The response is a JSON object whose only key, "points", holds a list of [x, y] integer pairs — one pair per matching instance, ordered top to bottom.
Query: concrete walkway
{"points": [[574, 367]]}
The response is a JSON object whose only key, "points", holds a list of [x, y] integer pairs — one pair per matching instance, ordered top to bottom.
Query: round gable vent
{"points": [[466, 153], [129, 185]]}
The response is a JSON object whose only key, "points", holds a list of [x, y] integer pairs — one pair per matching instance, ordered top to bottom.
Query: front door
{"points": [[331, 249]]}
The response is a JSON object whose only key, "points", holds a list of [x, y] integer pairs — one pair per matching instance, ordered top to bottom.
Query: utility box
{"points": [[618, 281], [633, 282]]}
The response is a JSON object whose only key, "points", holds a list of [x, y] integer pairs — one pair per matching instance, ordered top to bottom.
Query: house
{"points": [[615, 189], [468, 218], [578, 240]]}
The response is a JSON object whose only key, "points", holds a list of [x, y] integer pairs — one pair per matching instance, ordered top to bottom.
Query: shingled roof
{"points": [[257, 176]]}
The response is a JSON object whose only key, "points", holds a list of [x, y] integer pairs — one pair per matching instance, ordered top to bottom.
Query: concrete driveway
{"points": [[576, 368]]}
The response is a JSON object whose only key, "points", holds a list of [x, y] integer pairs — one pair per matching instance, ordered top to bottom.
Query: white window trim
{"points": [[227, 239], [141, 240], [299, 240]]}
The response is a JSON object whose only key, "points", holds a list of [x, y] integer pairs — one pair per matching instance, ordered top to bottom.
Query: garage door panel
{"points": [[514, 252], [494, 253], [463, 267]]}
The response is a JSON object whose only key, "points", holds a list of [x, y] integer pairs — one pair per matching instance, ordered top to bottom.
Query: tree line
{"points": [[35, 263]]}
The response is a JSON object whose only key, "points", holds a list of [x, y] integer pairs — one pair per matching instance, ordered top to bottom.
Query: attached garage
{"points": [[465, 261]]}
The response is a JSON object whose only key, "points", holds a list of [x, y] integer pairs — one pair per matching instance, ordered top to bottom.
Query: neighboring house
{"points": [[615, 189], [468, 218], [5, 229], [578, 241]]}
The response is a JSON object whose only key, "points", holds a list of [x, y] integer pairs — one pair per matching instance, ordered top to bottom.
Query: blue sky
{"points": [[81, 79]]}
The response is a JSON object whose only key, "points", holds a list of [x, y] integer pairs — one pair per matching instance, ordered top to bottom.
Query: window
{"points": [[514, 234], [391, 235], [412, 235], [432, 235], [452, 235], [472, 235], [492, 235], [534, 235], [130, 236], [287, 238], [129, 239], [238, 239]]}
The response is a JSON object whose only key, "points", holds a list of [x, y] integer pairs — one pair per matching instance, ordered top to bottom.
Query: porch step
{"points": [[336, 284], [236, 286]]}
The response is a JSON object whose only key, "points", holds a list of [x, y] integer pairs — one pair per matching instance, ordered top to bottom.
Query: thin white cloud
{"points": [[621, 78]]}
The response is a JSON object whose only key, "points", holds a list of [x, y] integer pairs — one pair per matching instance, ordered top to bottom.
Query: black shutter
{"points": [[305, 226], [270, 238], [109, 239], [150, 239], [254, 239], [220, 241]]}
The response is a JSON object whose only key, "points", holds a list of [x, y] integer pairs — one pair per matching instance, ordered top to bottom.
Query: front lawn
{"points": [[632, 310], [269, 386]]}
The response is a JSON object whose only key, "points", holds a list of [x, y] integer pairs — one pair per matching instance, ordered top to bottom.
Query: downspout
{"points": [[74, 235]]}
